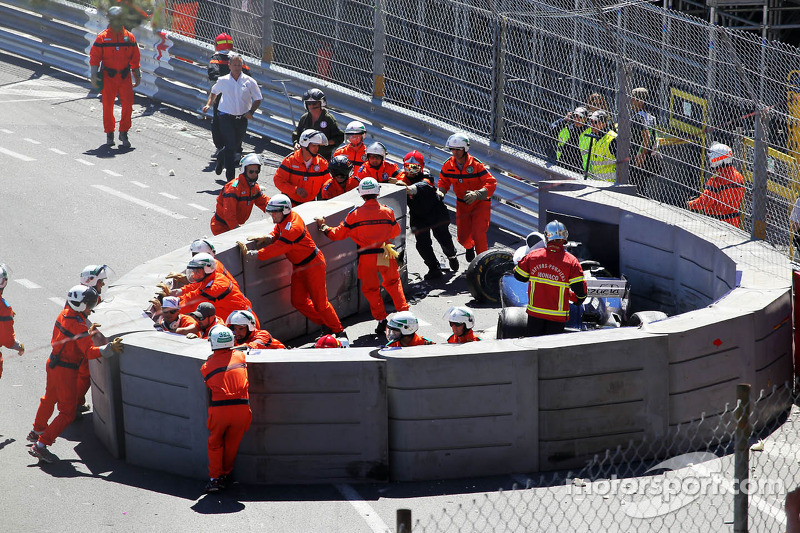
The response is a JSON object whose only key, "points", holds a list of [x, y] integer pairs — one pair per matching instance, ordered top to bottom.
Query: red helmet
{"points": [[224, 42], [414, 162], [328, 341]]}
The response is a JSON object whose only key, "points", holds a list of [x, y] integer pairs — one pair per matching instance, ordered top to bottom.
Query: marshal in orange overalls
{"points": [[119, 55]]}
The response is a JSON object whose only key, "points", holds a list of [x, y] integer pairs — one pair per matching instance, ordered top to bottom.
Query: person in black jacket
{"points": [[218, 66], [317, 117], [566, 134], [428, 214]]}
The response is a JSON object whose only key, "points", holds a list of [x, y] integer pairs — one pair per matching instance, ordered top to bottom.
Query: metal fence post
{"points": [[268, 31], [499, 51], [379, 52], [624, 121], [760, 175], [741, 465], [403, 521]]}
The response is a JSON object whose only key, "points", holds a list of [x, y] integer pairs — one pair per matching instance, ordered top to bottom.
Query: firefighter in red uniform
{"points": [[116, 50], [355, 149], [377, 167], [302, 174], [341, 181], [473, 186], [723, 194], [236, 200], [372, 226], [550, 272], [94, 276], [208, 285], [309, 291], [462, 320], [243, 325], [401, 331], [7, 338], [72, 342], [229, 415]]}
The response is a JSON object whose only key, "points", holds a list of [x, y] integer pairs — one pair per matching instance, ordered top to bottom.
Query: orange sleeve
{"points": [[96, 53], [135, 55], [489, 181], [226, 206]]}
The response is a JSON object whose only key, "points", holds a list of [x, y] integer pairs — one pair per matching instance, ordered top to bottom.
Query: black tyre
{"points": [[484, 273], [645, 317], [512, 323]]}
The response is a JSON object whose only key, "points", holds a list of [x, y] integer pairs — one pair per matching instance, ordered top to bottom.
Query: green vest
{"points": [[563, 138], [584, 142], [602, 163]]}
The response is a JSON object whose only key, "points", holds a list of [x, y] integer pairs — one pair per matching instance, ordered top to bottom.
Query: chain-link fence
{"points": [[510, 71], [735, 470]]}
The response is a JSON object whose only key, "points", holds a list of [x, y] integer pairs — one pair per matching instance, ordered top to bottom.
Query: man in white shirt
{"points": [[241, 96]]}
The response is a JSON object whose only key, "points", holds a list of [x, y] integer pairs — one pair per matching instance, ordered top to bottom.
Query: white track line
{"points": [[6, 131], [32, 141], [57, 151], [15, 154], [84, 162], [112, 173], [140, 184], [168, 195], [138, 201], [199, 207], [28, 284], [61, 302], [364, 509]]}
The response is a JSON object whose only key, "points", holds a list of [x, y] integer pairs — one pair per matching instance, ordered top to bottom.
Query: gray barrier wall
{"points": [[493, 407]]}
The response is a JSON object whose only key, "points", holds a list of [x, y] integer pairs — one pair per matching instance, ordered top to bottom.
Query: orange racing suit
{"points": [[119, 54], [356, 154], [293, 174], [381, 174], [722, 196], [235, 203], [472, 221], [370, 226], [469, 336], [229, 415]]}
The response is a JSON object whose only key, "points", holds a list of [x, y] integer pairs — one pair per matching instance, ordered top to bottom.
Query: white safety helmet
{"points": [[355, 127], [312, 137], [458, 140], [376, 148], [719, 154], [249, 159], [369, 186], [279, 203], [555, 231], [533, 241], [202, 246], [201, 263], [92, 274], [3, 276], [82, 298], [460, 315], [241, 318], [403, 321], [220, 337]]}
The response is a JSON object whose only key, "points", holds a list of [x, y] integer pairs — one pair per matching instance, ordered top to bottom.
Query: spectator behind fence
{"points": [[596, 102], [571, 140], [646, 159], [602, 164], [794, 225]]}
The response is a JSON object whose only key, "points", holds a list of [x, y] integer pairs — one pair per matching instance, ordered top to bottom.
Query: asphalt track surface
{"points": [[67, 201]]}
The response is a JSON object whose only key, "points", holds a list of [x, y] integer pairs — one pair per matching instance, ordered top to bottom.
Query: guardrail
{"points": [[174, 72]]}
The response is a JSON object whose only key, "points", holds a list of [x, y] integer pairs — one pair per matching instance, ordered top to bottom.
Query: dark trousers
{"points": [[232, 130], [216, 135], [425, 244], [539, 326]]}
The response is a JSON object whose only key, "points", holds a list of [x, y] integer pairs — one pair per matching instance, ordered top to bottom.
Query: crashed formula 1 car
{"points": [[491, 280]]}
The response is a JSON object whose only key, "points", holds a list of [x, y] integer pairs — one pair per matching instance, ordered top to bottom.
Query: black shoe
{"points": [[110, 139], [123, 139], [220, 165], [470, 255], [453, 263], [433, 273], [381, 329], [342, 335], [224, 481], [212, 486]]}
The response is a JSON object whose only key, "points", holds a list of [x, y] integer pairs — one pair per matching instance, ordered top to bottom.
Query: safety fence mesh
{"points": [[510, 72], [684, 482]]}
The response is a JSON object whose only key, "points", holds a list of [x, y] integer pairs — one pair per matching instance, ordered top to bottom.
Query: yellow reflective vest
{"points": [[603, 163]]}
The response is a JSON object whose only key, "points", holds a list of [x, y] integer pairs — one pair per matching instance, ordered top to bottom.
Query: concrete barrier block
{"points": [[107, 416], [319, 416], [444, 421]]}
